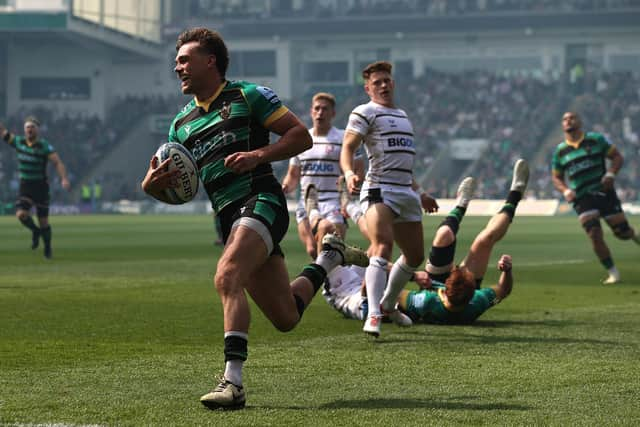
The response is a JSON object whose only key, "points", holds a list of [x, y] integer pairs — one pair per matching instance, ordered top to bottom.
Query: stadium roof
{"points": [[62, 27]]}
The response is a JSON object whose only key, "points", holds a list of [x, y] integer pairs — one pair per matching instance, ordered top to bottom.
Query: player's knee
{"points": [[21, 215], [622, 230], [286, 321]]}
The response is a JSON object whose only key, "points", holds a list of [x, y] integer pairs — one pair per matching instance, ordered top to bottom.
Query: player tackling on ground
{"points": [[226, 127], [33, 154], [582, 157], [391, 200], [452, 294]]}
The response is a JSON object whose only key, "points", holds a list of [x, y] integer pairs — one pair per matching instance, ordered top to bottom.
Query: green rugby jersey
{"points": [[233, 120], [32, 160], [584, 164], [427, 305]]}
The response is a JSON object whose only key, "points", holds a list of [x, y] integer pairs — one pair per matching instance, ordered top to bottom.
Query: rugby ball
{"points": [[188, 181]]}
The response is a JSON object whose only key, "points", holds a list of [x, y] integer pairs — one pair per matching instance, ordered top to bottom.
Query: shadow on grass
{"points": [[419, 336], [461, 403]]}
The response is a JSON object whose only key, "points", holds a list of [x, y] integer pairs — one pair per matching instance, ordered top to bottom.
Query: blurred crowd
{"points": [[252, 9], [517, 115], [81, 140]]}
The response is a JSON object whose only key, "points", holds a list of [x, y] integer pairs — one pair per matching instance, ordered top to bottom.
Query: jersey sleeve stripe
{"points": [[276, 115], [362, 117], [396, 133]]}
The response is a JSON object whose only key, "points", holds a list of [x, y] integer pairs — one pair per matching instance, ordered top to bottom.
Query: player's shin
{"points": [[400, 274], [315, 275], [375, 281]]}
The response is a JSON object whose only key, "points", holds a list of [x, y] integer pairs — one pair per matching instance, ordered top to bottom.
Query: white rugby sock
{"points": [[329, 260], [400, 274], [375, 278], [233, 371]]}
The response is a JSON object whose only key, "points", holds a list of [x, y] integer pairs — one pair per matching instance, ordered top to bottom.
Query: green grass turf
{"points": [[124, 328]]}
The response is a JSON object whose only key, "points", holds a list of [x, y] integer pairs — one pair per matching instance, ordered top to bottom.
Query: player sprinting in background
{"points": [[226, 128], [33, 153], [582, 157], [317, 171], [391, 200], [451, 294]]}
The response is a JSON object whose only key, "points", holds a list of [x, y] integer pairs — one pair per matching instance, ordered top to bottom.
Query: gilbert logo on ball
{"points": [[183, 161]]}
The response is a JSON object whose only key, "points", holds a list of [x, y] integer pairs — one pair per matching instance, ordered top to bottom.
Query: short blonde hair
{"points": [[376, 66], [325, 96], [32, 119]]}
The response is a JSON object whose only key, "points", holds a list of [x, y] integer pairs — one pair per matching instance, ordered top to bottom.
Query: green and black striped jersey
{"points": [[234, 119], [32, 159], [583, 163], [428, 305]]}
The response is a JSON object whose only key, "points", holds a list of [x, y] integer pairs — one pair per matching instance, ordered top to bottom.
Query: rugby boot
{"points": [[520, 176], [465, 191], [351, 255], [372, 325], [226, 396]]}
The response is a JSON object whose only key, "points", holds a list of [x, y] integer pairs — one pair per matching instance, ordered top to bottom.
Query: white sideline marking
{"points": [[542, 263]]}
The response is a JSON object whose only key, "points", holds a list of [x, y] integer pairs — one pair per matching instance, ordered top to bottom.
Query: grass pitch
{"points": [[123, 327]]}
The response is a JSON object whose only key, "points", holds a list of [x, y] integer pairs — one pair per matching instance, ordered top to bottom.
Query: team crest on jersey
{"points": [[269, 94], [225, 111], [392, 123], [187, 129], [329, 149]]}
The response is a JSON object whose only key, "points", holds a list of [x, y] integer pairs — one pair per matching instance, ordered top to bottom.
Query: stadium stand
{"points": [[245, 9], [517, 114]]}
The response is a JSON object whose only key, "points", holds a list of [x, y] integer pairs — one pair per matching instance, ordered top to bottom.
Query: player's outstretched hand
{"points": [[158, 177], [429, 204], [505, 263], [422, 278]]}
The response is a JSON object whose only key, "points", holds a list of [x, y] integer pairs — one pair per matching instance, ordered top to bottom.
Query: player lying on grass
{"points": [[451, 294]]}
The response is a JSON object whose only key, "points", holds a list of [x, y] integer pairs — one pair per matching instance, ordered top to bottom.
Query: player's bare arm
{"points": [[294, 139], [350, 144], [54, 158], [616, 162], [291, 179], [558, 182], [505, 282]]}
